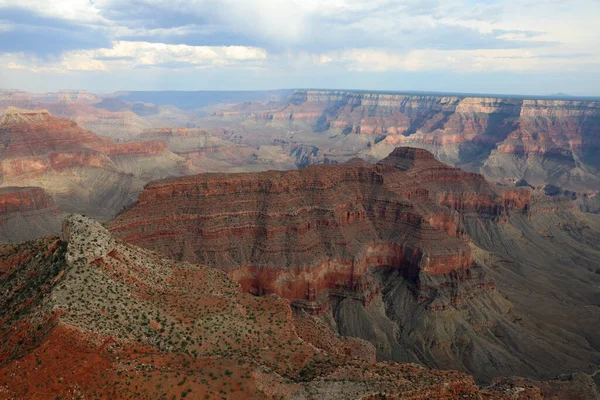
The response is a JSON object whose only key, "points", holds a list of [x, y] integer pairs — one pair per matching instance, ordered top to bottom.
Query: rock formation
{"points": [[103, 115], [507, 139], [208, 153], [81, 170], [27, 213], [399, 253], [85, 315]]}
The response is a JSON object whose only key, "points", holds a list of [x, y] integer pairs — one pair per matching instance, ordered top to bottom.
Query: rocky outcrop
{"points": [[25, 133], [39, 149], [81, 170], [301, 233], [321, 233], [89, 314]]}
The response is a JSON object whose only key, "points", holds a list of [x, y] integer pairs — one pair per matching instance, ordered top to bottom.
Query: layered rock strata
{"points": [[507, 139], [84, 172], [27, 213], [300, 233], [400, 253], [88, 315]]}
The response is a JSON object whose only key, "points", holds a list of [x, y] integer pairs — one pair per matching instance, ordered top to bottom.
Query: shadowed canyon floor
{"points": [[425, 261]]}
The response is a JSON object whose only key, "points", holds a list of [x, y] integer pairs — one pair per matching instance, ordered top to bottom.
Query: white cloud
{"points": [[73, 10], [296, 36], [144, 53], [125, 54], [463, 61]]}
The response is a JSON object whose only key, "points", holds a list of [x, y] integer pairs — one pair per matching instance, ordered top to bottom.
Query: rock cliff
{"points": [[507, 139], [84, 172], [27, 213], [406, 253], [90, 316]]}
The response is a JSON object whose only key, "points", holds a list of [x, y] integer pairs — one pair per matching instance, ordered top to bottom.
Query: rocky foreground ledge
{"points": [[87, 315]]}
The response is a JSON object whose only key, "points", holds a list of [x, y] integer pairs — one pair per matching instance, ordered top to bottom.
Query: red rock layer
{"points": [[26, 133], [35, 142], [86, 173], [24, 199], [301, 233]]}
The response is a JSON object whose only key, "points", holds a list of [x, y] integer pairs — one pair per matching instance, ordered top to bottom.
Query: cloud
{"points": [[276, 25], [310, 25], [31, 32], [299, 39], [126, 55], [463, 61]]}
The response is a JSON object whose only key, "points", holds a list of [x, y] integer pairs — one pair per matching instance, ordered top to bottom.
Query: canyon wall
{"points": [[507, 139], [83, 172], [27, 213], [325, 223], [405, 253], [88, 311]]}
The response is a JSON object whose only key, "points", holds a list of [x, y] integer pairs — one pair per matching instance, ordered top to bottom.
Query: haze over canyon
{"points": [[299, 244]]}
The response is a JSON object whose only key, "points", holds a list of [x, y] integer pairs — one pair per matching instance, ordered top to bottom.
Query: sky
{"points": [[536, 47]]}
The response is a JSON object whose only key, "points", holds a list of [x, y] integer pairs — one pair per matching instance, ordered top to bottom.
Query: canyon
{"points": [[110, 117], [506, 139], [208, 153], [82, 171], [98, 175], [280, 244], [427, 262], [86, 315]]}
